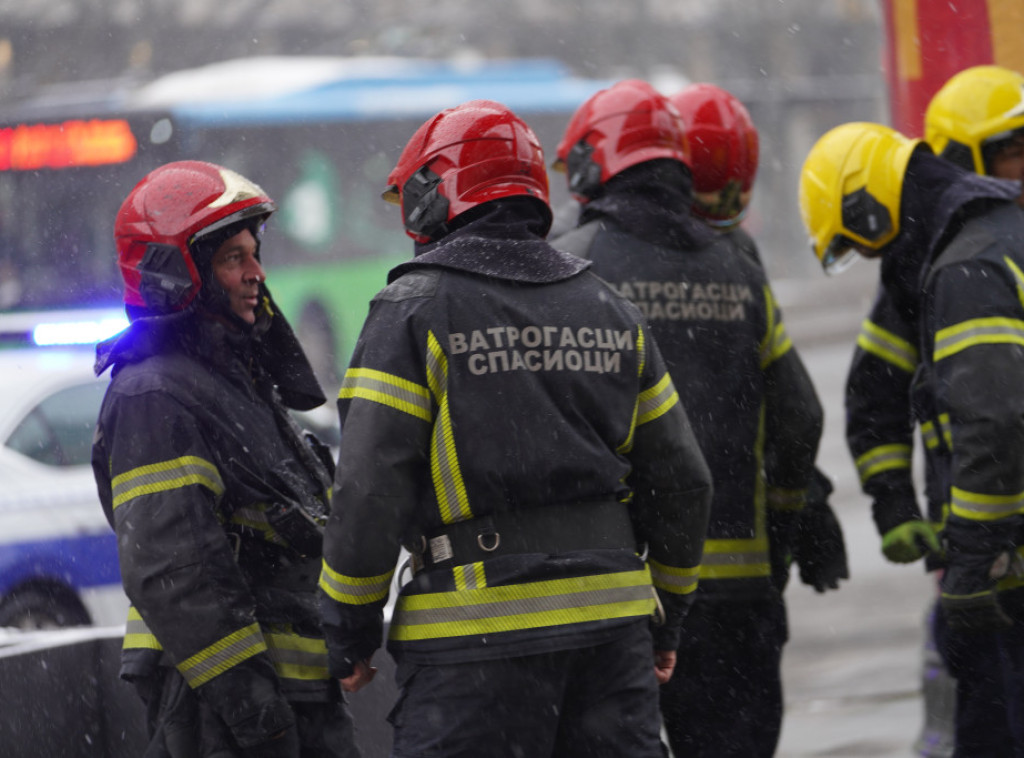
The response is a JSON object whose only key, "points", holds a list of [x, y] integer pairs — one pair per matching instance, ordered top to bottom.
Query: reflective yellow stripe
{"points": [[1018, 275], [978, 331], [776, 342], [884, 344], [386, 389], [656, 401], [931, 437], [627, 445], [883, 458], [167, 475], [449, 487], [781, 499], [979, 507], [256, 518], [735, 559], [470, 577], [680, 580], [354, 590], [490, 610], [137, 634], [222, 655], [297, 657]]}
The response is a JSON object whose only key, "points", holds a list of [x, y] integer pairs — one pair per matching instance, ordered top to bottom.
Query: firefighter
{"points": [[975, 121], [724, 147], [949, 247], [752, 406], [510, 419], [217, 497]]}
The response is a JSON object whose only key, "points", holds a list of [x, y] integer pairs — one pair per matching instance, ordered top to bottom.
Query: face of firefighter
{"points": [[1008, 162], [237, 269]]}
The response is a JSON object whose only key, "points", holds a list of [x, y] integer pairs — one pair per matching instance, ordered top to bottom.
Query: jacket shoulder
{"points": [[421, 282]]}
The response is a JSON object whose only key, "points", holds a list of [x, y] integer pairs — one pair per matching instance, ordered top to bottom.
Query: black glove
{"points": [[818, 546]]}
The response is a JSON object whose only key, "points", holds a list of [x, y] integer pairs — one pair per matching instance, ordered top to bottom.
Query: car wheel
{"points": [[36, 608]]}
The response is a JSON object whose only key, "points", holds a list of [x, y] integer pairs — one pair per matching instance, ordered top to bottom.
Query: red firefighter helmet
{"points": [[616, 128], [723, 147], [461, 158], [164, 215]]}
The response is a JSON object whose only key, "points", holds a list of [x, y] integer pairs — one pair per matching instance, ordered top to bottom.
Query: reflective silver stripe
{"points": [[979, 331], [887, 346], [386, 389], [657, 400], [883, 458], [167, 475], [449, 487], [979, 507], [679, 580], [354, 590], [523, 606], [137, 634], [222, 655], [297, 657]]}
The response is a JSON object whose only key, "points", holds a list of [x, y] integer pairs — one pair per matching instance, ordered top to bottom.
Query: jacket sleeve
{"points": [[976, 330], [386, 410], [879, 422], [163, 489], [672, 493]]}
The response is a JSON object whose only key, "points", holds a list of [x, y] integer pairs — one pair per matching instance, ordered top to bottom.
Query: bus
{"points": [[319, 134]]}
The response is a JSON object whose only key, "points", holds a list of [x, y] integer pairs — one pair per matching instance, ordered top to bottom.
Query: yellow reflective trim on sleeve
{"points": [[1018, 276], [979, 331], [776, 342], [885, 345], [386, 389], [656, 401], [931, 436], [627, 444], [883, 458], [445, 470], [176, 473], [782, 499], [979, 507], [735, 559], [470, 577], [679, 580], [354, 590], [509, 608], [137, 634], [222, 655], [297, 657]]}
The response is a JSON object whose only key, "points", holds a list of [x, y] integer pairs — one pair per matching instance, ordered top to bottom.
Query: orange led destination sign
{"points": [[74, 143]]}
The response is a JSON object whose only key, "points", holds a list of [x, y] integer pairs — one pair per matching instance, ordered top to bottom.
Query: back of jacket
{"points": [[474, 396], [751, 404]]}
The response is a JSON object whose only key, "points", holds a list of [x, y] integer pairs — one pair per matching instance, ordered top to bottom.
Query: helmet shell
{"points": [[978, 107], [616, 128], [723, 150], [461, 158], [850, 187], [165, 213]]}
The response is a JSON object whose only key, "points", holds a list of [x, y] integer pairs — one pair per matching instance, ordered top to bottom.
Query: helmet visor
{"points": [[840, 254]]}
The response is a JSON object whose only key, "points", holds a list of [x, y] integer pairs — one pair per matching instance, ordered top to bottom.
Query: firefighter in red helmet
{"points": [[755, 414], [509, 418], [217, 497]]}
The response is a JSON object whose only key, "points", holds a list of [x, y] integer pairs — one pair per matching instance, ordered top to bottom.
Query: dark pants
{"points": [[989, 672], [725, 698], [594, 702], [181, 726]]}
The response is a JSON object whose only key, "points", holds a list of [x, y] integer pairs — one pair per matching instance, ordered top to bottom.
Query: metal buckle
{"points": [[482, 536]]}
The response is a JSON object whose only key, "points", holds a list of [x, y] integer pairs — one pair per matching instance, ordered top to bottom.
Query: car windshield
{"points": [[58, 431]]}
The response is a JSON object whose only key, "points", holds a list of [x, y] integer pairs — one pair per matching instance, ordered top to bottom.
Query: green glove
{"points": [[909, 541]]}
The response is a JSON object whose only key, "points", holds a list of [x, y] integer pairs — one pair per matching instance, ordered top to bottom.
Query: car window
{"points": [[58, 431]]}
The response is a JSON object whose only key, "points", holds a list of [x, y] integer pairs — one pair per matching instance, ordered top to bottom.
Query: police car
{"points": [[58, 555]]}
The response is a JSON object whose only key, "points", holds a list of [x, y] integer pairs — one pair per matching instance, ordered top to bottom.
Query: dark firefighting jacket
{"points": [[751, 403], [508, 417], [214, 495]]}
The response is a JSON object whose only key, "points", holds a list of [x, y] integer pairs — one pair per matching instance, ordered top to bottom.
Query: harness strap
{"points": [[560, 528]]}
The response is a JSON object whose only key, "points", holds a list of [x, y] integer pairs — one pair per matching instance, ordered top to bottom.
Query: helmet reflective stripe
{"points": [[977, 107], [850, 187]]}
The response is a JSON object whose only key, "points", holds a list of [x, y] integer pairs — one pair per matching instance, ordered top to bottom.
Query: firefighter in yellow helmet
{"points": [[974, 121], [952, 269]]}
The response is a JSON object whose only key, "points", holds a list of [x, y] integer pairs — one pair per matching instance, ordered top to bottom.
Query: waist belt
{"points": [[561, 528]]}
